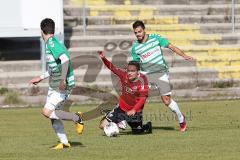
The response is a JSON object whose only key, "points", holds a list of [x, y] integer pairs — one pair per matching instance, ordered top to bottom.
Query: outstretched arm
{"points": [[179, 52], [109, 65], [38, 79]]}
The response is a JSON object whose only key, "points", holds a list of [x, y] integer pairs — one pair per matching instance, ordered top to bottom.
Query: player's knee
{"points": [[166, 100], [46, 112], [103, 123], [101, 126]]}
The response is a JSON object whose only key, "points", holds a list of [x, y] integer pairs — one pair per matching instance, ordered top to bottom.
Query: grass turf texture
{"points": [[214, 133]]}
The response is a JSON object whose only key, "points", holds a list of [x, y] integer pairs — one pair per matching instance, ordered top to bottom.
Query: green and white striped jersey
{"points": [[54, 49], [150, 54]]}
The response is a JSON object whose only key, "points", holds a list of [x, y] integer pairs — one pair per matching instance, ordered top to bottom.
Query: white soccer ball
{"points": [[111, 129]]}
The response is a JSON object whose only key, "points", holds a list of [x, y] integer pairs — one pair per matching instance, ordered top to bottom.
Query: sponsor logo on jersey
{"points": [[148, 54], [128, 90], [131, 90]]}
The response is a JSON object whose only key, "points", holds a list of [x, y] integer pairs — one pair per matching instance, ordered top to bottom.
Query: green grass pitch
{"points": [[214, 133]]}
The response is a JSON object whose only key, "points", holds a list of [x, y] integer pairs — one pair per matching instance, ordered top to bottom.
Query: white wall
{"points": [[9, 13], [22, 17]]}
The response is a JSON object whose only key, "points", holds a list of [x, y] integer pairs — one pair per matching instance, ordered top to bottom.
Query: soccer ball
{"points": [[111, 129]]}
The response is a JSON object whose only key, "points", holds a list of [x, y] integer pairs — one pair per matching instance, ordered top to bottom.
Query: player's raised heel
{"points": [[79, 123], [183, 126], [61, 146]]}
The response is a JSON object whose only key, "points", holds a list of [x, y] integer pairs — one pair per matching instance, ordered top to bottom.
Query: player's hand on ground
{"points": [[101, 54], [35, 80], [62, 85], [131, 112]]}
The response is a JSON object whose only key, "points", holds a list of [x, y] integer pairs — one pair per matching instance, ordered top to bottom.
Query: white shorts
{"points": [[56, 100]]}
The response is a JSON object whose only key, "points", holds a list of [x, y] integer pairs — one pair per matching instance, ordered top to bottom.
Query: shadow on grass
{"points": [[154, 128], [164, 128], [129, 132], [125, 133], [132, 134], [77, 144]]}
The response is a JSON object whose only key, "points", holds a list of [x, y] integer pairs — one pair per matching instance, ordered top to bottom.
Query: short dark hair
{"points": [[138, 24], [47, 26], [134, 63]]}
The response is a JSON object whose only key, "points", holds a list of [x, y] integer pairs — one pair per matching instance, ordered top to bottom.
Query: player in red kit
{"points": [[134, 92]]}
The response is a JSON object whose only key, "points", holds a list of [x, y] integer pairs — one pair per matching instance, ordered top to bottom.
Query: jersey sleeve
{"points": [[164, 42], [56, 49], [134, 55], [120, 73], [140, 104]]}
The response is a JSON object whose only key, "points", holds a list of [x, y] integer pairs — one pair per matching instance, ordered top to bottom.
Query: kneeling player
{"points": [[132, 99]]}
